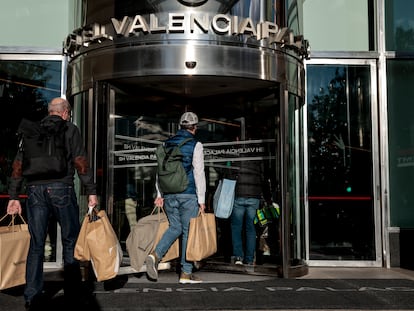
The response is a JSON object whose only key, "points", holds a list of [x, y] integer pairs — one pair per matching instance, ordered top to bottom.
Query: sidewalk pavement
{"points": [[322, 289]]}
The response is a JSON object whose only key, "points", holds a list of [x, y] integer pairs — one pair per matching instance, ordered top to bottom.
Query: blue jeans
{"points": [[44, 200], [180, 208], [244, 211]]}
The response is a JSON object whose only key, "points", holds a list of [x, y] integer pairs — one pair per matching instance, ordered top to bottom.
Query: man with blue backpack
{"points": [[181, 205]]}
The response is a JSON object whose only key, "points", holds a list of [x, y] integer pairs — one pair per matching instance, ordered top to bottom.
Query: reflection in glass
{"points": [[399, 25], [400, 75], [26, 86], [233, 128], [295, 183], [341, 208]]}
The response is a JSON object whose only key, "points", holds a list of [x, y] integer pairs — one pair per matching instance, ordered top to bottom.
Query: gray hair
{"points": [[58, 105]]}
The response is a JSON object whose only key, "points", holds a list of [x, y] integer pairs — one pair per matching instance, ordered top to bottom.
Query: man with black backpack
{"points": [[50, 191], [184, 205]]}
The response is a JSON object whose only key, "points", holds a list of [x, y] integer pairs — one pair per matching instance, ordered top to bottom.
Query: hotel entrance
{"points": [[134, 70], [243, 125], [234, 128]]}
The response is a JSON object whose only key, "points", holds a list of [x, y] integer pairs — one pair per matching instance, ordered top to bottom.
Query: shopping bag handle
{"points": [[92, 209], [159, 210], [92, 213], [200, 213], [13, 218], [1, 219], [12, 221]]}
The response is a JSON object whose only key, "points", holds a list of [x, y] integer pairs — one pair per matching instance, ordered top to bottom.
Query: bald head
{"points": [[59, 106]]}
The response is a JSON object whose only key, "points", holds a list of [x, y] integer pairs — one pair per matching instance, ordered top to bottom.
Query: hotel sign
{"points": [[184, 23]]}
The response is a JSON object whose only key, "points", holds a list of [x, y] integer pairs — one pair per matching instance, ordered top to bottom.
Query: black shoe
{"points": [[115, 283], [33, 305]]}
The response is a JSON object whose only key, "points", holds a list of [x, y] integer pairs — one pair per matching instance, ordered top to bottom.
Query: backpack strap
{"points": [[185, 141], [170, 149]]}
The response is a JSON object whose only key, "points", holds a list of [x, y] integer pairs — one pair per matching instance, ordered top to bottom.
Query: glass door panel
{"points": [[27, 84], [233, 128], [296, 185], [292, 187], [343, 214]]}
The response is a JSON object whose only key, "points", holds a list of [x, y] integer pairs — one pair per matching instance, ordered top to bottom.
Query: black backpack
{"points": [[44, 149], [172, 177]]}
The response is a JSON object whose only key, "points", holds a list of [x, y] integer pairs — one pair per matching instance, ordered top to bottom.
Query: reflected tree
{"points": [[404, 39], [25, 89], [327, 134]]}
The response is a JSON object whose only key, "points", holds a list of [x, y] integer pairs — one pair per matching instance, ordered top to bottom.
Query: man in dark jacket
{"points": [[53, 196], [247, 200], [181, 207]]}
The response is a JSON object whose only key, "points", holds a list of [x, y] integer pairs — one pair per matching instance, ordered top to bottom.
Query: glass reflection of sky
{"points": [[319, 79]]}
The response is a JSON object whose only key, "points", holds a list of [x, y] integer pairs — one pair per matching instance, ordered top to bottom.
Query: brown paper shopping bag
{"points": [[144, 237], [202, 237], [140, 240], [98, 242], [14, 246], [104, 248], [174, 250], [82, 252]]}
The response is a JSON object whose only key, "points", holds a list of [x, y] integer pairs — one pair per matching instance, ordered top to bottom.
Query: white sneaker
{"points": [[238, 261]]}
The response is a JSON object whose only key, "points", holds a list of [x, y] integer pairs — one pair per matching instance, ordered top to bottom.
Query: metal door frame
{"points": [[379, 214]]}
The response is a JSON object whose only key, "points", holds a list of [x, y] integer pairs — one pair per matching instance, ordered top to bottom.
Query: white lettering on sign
{"points": [[234, 151], [405, 161]]}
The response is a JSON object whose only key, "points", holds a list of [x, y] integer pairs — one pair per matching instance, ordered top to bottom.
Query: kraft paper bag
{"points": [[223, 199], [144, 237], [202, 237], [140, 240], [98, 242], [14, 247], [81, 247], [174, 250]]}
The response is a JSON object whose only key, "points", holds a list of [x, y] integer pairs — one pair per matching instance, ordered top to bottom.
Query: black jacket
{"points": [[77, 159], [249, 178]]}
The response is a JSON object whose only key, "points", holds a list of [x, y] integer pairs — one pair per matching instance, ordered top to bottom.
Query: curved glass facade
{"points": [[236, 39]]}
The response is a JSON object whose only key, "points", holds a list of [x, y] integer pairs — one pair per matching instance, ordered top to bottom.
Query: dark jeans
{"points": [[59, 200]]}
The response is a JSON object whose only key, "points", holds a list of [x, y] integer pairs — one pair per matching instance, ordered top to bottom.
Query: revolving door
{"points": [[135, 67], [260, 123]]}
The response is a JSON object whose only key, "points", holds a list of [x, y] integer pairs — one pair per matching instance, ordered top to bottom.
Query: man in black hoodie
{"points": [[249, 191], [53, 196]]}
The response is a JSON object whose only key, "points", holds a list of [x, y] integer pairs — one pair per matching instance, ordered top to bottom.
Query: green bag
{"points": [[172, 177], [266, 214]]}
